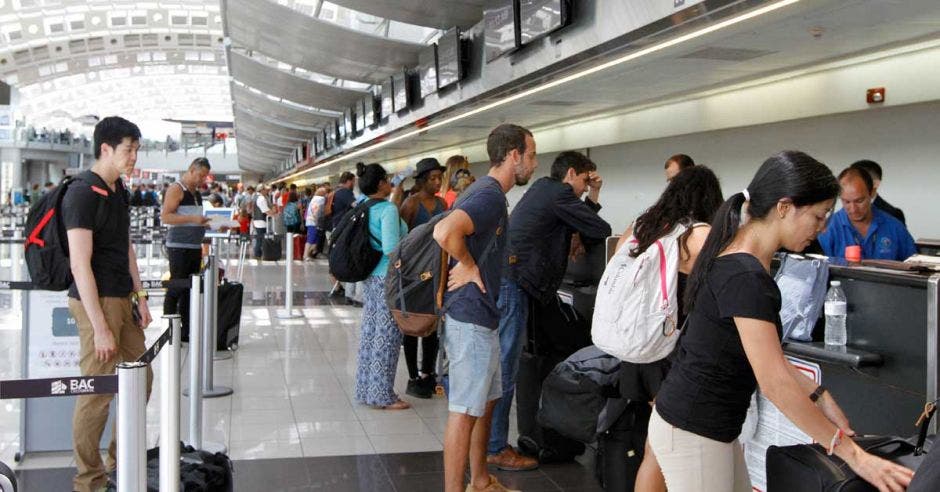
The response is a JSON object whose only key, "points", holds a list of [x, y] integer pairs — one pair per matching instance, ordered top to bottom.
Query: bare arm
{"points": [[409, 209], [451, 233], [623, 238], [80, 247], [142, 307], [779, 382]]}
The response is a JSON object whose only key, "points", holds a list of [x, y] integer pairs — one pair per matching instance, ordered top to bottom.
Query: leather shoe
{"points": [[509, 460]]}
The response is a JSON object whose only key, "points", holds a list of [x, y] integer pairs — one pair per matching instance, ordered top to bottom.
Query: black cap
{"points": [[427, 165]]}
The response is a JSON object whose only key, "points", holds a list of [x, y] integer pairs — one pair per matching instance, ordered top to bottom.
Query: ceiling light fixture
{"points": [[555, 83]]}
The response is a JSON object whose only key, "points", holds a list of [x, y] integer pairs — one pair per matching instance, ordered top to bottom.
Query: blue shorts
{"points": [[311, 234], [473, 371]]}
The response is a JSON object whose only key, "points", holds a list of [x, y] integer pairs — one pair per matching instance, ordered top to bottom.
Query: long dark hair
{"points": [[788, 174], [370, 176], [692, 196]]}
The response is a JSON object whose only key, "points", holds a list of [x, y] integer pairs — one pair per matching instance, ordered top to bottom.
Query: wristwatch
{"points": [[141, 294], [817, 394]]}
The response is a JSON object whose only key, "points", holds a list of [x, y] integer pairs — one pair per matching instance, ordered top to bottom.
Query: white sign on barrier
{"points": [[53, 336], [772, 428]]}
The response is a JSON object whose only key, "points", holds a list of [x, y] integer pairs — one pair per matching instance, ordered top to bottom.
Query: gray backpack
{"points": [[802, 282], [575, 393]]}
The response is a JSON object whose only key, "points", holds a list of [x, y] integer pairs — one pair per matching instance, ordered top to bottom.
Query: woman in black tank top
{"points": [[691, 199]]}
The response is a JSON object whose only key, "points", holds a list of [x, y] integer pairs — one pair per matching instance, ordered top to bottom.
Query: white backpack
{"points": [[636, 309]]}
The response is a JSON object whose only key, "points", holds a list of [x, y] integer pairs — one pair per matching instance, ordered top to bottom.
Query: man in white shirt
{"points": [[259, 215]]}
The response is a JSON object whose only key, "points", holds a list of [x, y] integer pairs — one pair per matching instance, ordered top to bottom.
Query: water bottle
{"points": [[835, 309]]}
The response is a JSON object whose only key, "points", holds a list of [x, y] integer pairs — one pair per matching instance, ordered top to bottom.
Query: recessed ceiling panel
{"points": [[442, 14]]}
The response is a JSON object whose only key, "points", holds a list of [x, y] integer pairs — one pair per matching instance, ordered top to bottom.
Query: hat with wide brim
{"points": [[427, 165]]}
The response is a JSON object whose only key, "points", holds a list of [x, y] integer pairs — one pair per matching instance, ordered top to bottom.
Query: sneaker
{"points": [[418, 388], [509, 460], [494, 486]]}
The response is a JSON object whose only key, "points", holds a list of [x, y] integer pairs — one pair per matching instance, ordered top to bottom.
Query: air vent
{"points": [[185, 39], [132, 40], [149, 40], [203, 40], [95, 44], [77, 46], [40, 53], [726, 54], [556, 104]]}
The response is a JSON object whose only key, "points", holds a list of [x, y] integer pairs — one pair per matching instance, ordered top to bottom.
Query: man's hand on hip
{"points": [[462, 275]]}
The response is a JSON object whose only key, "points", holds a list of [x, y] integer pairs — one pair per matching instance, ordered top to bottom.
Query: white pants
{"points": [[692, 463]]}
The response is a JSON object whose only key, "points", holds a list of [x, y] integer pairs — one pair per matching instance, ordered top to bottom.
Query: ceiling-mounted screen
{"points": [[540, 17], [501, 22], [449, 61], [427, 70], [400, 91], [386, 108], [360, 111], [368, 111], [350, 122], [340, 130], [328, 136]]}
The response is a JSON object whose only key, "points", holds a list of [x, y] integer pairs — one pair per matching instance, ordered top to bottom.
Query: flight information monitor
{"points": [[540, 17], [501, 34], [449, 62], [427, 70], [400, 91], [386, 108], [368, 111], [349, 122]]}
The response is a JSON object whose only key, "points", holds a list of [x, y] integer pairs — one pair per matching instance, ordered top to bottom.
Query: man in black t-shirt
{"points": [[104, 265]]}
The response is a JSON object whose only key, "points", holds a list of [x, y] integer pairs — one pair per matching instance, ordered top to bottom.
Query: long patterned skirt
{"points": [[378, 347]]}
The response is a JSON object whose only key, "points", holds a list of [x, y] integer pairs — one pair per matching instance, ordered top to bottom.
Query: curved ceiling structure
{"points": [[440, 14], [313, 44], [276, 82], [261, 103]]}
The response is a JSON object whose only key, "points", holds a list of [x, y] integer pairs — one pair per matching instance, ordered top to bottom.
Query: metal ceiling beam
{"points": [[440, 14], [315, 45], [284, 85]]}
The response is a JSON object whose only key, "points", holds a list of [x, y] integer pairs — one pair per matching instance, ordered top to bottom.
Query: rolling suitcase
{"points": [[299, 240], [271, 248], [231, 295], [620, 449]]}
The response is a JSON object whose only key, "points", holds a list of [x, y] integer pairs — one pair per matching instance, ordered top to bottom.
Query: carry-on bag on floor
{"points": [[299, 240], [271, 248], [231, 295], [620, 449], [200, 471]]}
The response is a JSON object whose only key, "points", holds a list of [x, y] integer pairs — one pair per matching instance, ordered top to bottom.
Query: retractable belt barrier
{"points": [[130, 384]]}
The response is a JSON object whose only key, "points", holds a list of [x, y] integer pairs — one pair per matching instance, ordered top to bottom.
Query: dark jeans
{"points": [[259, 239], [183, 264], [429, 345]]}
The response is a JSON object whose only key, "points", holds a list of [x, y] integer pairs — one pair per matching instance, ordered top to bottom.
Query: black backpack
{"points": [[47, 245], [352, 257]]}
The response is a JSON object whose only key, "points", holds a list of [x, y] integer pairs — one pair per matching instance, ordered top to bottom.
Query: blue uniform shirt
{"points": [[887, 237]]}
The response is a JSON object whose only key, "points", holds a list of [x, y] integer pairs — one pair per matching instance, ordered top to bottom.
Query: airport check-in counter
{"points": [[889, 368]]}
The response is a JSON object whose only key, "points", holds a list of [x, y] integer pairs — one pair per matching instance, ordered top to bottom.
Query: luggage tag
{"points": [[922, 423]]}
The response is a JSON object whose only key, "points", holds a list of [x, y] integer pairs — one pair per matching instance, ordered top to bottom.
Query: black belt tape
{"points": [[154, 349], [40, 388]]}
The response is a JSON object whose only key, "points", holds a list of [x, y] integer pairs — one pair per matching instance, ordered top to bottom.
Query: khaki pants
{"points": [[92, 411], [692, 463]]}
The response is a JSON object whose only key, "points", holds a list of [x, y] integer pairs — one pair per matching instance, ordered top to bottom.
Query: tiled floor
{"points": [[292, 420]]}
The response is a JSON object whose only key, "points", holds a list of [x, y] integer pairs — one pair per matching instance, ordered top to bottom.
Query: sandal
{"points": [[398, 405]]}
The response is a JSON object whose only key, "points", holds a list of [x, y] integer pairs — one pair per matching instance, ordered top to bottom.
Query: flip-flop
{"points": [[398, 405]]}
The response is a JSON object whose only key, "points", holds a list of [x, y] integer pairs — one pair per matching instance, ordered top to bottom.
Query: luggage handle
{"points": [[923, 422]]}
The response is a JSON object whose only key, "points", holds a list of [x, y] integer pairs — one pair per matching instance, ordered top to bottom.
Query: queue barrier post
{"points": [[288, 312], [209, 326], [195, 363], [170, 408], [131, 423]]}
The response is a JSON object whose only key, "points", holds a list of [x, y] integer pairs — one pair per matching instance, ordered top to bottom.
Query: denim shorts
{"points": [[473, 354]]}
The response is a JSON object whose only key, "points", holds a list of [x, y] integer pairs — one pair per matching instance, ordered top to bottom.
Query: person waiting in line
{"points": [[677, 163], [454, 164], [874, 170], [690, 199], [338, 202], [244, 206], [418, 209], [260, 211], [292, 214], [313, 219], [859, 223], [186, 228], [540, 230], [106, 280], [380, 337], [471, 339], [732, 339]]}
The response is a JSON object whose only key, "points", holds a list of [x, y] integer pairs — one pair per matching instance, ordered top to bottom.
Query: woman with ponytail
{"points": [[731, 343]]}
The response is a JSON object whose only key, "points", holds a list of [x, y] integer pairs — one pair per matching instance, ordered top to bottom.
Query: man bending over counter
{"points": [[881, 236]]}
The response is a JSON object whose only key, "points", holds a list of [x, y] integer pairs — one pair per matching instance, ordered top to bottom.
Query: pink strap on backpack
{"points": [[662, 274]]}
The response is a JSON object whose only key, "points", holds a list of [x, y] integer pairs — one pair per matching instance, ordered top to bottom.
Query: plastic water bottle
{"points": [[835, 309]]}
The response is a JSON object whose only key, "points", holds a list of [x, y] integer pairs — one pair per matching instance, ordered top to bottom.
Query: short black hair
{"points": [[112, 131], [504, 139], [571, 160], [682, 160], [201, 162], [871, 167], [860, 173], [347, 176], [370, 177]]}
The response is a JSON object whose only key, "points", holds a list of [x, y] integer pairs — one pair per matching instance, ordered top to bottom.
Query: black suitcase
{"points": [[271, 248], [231, 295], [555, 332], [620, 449], [807, 468], [200, 471]]}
